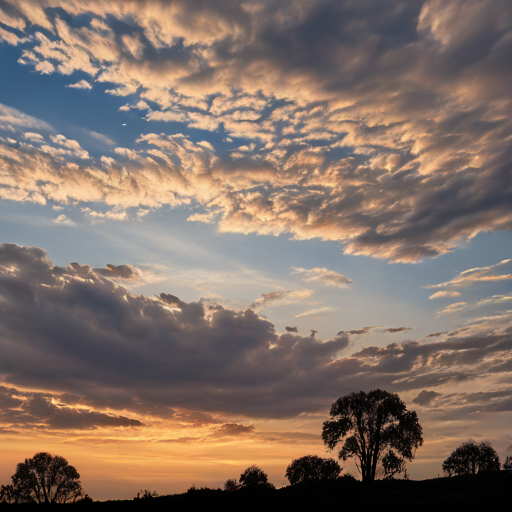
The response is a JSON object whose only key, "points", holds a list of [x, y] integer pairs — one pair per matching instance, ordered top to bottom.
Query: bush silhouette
{"points": [[311, 467]]}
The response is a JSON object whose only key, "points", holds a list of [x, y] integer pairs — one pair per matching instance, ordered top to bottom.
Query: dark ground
{"points": [[491, 491]]}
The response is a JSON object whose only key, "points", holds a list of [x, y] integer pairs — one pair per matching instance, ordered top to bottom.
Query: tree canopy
{"points": [[368, 425], [471, 458], [311, 467], [254, 477], [44, 478]]}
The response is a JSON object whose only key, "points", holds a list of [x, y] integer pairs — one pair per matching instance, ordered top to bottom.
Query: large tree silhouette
{"points": [[368, 426], [470, 458], [44, 478]]}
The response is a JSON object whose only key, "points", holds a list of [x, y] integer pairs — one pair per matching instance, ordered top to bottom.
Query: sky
{"points": [[217, 218]]}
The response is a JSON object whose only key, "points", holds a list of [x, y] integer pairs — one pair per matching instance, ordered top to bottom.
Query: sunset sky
{"points": [[218, 217]]}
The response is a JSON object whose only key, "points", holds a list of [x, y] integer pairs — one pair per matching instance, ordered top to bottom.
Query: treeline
{"points": [[375, 429]]}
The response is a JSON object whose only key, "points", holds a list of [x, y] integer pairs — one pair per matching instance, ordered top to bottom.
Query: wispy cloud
{"points": [[10, 116], [474, 275], [323, 276], [445, 294], [285, 297], [494, 300], [328, 310]]}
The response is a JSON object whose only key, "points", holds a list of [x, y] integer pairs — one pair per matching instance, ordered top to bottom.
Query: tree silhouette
{"points": [[368, 426], [471, 458], [311, 467], [44, 478], [254, 478], [231, 485], [146, 494]]}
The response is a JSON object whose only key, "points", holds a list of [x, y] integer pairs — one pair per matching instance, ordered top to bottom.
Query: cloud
{"points": [[9, 37], [82, 84], [10, 116], [34, 137], [101, 138], [347, 142], [62, 220], [122, 272], [473, 275], [324, 276], [442, 295], [285, 297], [494, 300], [456, 307], [328, 310], [291, 329], [396, 329], [363, 330], [436, 334], [92, 346], [426, 397], [38, 410], [233, 429]]}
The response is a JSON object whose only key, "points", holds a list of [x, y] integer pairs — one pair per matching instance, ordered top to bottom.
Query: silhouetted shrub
{"points": [[311, 467], [255, 478]]}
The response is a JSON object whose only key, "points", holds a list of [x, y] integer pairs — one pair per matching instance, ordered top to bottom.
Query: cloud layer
{"points": [[384, 128], [96, 355]]}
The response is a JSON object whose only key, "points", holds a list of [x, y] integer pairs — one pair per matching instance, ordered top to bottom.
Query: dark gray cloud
{"points": [[124, 272], [291, 329], [363, 330], [436, 334], [96, 346], [426, 397], [38, 410], [233, 429]]}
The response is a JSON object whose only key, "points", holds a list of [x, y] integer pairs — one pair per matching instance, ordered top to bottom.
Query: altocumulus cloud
{"points": [[420, 115], [91, 346]]}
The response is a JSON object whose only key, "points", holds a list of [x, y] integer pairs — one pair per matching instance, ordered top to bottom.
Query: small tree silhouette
{"points": [[255, 478], [231, 485]]}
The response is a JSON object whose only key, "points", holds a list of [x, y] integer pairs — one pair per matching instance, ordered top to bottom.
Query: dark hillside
{"points": [[483, 491]]}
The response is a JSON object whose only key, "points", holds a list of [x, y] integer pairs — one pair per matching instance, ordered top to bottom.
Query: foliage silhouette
{"points": [[368, 426], [471, 458], [393, 465], [507, 465], [311, 467], [44, 478], [254, 478], [231, 485], [145, 495]]}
